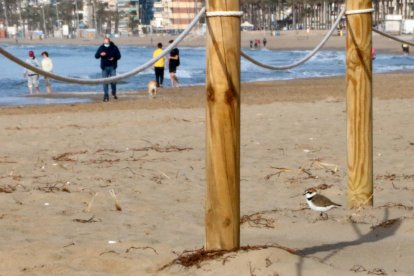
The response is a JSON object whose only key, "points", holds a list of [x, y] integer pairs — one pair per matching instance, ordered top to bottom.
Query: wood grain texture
{"points": [[359, 105], [223, 128]]}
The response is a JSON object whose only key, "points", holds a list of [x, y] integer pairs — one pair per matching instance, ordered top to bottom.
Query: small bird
{"points": [[319, 202]]}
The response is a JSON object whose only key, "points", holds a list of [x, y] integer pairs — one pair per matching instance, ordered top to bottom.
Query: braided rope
{"points": [[351, 12], [224, 13], [393, 37], [306, 58], [111, 79]]}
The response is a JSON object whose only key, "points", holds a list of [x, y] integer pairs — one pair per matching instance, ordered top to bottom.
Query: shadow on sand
{"points": [[387, 228]]}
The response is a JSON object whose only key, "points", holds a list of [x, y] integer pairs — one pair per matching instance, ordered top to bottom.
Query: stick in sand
{"points": [[113, 195], [88, 208]]}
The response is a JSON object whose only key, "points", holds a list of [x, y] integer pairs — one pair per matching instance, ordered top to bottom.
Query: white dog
{"points": [[152, 88]]}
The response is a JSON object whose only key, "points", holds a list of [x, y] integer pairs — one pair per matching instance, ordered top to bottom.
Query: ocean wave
{"points": [[79, 61]]}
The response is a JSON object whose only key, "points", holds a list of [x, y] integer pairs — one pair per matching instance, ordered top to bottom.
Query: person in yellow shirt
{"points": [[159, 66]]}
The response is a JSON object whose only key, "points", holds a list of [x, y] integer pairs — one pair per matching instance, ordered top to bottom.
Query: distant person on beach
{"points": [[264, 42], [251, 44], [405, 48], [109, 54], [373, 55], [173, 63], [47, 65], [159, 65], [32, 77]]}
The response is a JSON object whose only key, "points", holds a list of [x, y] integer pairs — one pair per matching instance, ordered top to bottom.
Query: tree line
{"points": [[263, 14], [314, 14], [48, 17]]}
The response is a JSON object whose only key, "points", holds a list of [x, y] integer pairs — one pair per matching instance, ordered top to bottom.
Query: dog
{"points": [[152, 88]]}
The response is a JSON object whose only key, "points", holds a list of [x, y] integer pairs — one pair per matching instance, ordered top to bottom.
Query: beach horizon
{"points": [[284, 40]]}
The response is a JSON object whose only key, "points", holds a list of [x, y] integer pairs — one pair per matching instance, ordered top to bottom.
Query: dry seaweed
{"points": [[158, 148], [108, 150], [67, 156], [102, 161], [7, 162], [278, 173], [393, 176], [13, 177], [323, 186], [52, 188], [7, 189], [91, 220], [256, 220], [386, 223], [70, 244], [143, 248], [107, 252], [190, 258], [358, 268], [377, 271]]}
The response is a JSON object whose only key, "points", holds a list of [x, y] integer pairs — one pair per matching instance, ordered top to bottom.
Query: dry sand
{"points": [[56, 159]]}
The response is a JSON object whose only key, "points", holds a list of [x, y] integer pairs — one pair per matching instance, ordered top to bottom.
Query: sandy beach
{"points": [[284, 40], [59, 163]]}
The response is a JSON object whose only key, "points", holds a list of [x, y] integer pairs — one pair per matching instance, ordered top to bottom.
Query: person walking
{"points": [[109, 54], [173, 63], [47, 65], [159, 65], [32, 77]]}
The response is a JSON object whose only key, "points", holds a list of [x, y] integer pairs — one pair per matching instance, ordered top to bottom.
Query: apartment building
{"points": [[134, 15], [174, 15]]}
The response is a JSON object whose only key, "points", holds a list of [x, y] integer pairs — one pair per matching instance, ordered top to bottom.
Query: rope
{"points": [[351, 12], [224, 13], [393, 37], [307, 57], [112, 79]]}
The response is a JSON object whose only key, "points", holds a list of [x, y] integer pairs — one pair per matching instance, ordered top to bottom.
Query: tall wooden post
{"points": [[359, 104], [223, 128]]}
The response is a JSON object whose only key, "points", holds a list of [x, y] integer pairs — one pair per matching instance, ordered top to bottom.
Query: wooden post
{"points": [[359, 104], [223, 128]]}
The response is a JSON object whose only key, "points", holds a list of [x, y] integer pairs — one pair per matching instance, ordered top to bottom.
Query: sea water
{"points": [[79, 62]]}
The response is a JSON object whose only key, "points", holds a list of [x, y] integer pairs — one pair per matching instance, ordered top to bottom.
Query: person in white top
{"points": [[47, 65]]}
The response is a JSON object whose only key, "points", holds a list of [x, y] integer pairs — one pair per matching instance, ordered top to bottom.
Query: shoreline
{"points": [[287, 40], [252, 93]]}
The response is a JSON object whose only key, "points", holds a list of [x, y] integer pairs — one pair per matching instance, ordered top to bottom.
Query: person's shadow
{"points": [[387, 228]]}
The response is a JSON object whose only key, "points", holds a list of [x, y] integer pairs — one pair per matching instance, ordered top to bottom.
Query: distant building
{"points": [[26, 3], [90, 7], [134, 15], [174, 15], [159, 22]]}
